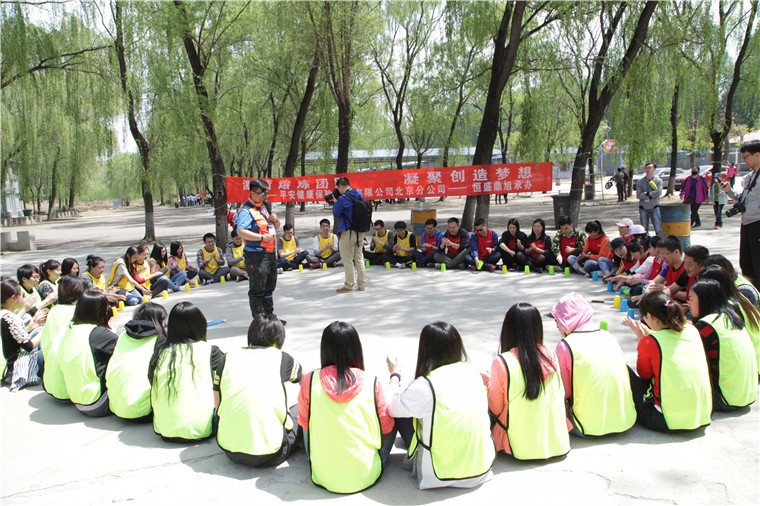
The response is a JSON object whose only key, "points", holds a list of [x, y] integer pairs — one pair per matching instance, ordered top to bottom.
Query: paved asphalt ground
{"points": [[53, 455]]}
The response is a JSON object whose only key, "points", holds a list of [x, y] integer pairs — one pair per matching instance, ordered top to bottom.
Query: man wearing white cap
{"points": [[624, 229], [598, 397]]}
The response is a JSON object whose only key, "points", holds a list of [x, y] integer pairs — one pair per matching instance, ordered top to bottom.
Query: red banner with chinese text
{"points": [[414, 183]]}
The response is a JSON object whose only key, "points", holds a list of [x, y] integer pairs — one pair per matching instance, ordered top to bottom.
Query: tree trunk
{"points": [[506, 45], [599, 100], [298, 128], [344, 137], [673, 141], [142, 143], [401, 145], [303, 166], [218, 171], [72, 185], [53, 186]]}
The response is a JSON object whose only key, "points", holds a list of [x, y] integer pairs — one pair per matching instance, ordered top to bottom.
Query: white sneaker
{"points": [[400, 265], [279, 270]]}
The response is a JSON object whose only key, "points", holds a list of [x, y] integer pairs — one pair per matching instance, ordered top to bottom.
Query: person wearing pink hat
{"points": [[624, 229], [598, 398]]}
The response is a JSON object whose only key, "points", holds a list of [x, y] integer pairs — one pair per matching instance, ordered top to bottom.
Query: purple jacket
{"points": [[701, 195]]}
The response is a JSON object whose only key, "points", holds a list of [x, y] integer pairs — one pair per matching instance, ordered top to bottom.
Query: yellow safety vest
{"points": [[383, 239], [404, 243], [323, 244], [288, 247], [237, 252], [181, 263], [212, 266], [142, 271], [99, 282], [123, 283], [51, 341], [78, 365], [737, 369], [127, 376], [685, 394], [602, 401], [186, 409], [253, 413], [536, 428], [344, 439], [460, 446]]}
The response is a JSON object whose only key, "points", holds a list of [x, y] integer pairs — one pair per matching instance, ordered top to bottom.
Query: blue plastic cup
{"points": [[595, 275], [610, 287], [623, 305], [631, 313]]}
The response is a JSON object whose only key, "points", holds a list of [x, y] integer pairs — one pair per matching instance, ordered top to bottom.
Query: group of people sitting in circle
{"points": [[693, 358]]}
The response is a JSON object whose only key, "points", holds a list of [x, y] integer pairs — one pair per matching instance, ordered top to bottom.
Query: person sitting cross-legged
{"points": [[568, 241], [431, 244], [326, 245], [379, 245], [455, 246], [403, 247], [484, 248], [290, 252], [235, 259], [211, 262]]}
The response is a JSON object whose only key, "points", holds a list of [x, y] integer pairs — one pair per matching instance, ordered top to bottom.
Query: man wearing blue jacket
{"points": [[350, 243]]}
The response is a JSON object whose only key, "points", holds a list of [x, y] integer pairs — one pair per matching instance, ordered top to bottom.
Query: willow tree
{"points": [[517, 23], [409, 26], [206, 30], [341, 30], [733, 31], [603, 42], [54, 99]]}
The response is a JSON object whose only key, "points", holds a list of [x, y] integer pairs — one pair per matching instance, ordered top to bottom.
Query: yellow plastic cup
{"points": [[387, 266], [414, 266], [324, 267], [300, 268], [503, 269], [223, 280], [187, 287], [165, 295], [146, 298], [616, 302], [121, 305], [114, 312]]}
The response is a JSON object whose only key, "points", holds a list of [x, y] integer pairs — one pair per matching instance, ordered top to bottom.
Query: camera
{"points": [[330, 198], [737, 208]]}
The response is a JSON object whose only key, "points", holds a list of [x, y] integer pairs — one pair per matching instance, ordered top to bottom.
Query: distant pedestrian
{"points": [[732, 172], [621, 179], [648, 191], [694, 192], [719, 199]]}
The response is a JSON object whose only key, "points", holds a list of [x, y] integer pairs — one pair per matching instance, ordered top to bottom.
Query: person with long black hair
{"points": [[512, 245], [538, 250], [596, 255], [159, 262], [70, 267], [180, 270], [50, 273], [121, 278], [740, 303], [86, 349], [729, 350], [127, 373], [181, 375], [672, 389], [525, 393], [446, 397], [347, 430]]}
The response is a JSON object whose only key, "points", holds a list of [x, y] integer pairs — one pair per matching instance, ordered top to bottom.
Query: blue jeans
{"points": [[645, 215], [179, 278], [133, 298]]}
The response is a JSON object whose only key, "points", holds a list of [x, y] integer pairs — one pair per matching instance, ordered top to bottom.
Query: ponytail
{"points": [[662, 307]]}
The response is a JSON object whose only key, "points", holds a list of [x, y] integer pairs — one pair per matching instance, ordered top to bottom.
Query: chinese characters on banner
{"points": [[415, 183]]}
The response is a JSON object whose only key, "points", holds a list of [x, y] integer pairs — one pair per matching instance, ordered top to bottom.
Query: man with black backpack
{"points": [[353, 215]]}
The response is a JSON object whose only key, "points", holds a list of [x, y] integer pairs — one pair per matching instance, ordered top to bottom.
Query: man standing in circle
{"points": [[648, 191], [748, 204], [258, 228], [350, 242]]}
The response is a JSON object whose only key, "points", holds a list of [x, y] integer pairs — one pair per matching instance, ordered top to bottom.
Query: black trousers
{"points": [[749, 252], [262, 280], [646, 412]]}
